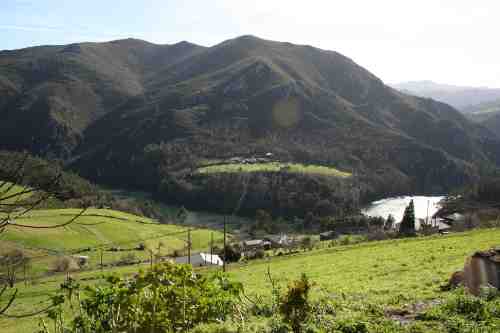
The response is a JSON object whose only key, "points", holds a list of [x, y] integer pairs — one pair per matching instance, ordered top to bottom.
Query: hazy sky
{"points": [[447, 41]]}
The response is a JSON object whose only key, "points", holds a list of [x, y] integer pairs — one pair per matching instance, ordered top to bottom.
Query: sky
{"points": [[446, 41]]}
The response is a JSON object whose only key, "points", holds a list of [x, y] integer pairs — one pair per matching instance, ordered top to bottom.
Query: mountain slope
{"points": [[55, 92], [459, 97], [170, 109], [487, 114]]}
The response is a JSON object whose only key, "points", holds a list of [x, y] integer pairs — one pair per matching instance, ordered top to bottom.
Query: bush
{"points": [[378, 234], [308, 243], [177, 253], [233, 253], [257, 254], [260, 254], [128, 259], [11, 263], [64, 264], [167, 298], [295, 307], [462, 312], [351, 326]]}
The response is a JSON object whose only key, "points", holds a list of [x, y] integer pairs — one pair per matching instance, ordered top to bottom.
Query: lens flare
{"points": [[286, 113]]}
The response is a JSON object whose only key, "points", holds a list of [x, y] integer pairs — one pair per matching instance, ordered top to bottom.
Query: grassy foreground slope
{"points": [[95, 229], [378, 271], [385, 273]]}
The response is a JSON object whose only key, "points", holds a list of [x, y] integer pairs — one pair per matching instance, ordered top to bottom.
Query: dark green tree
{"points": [[390, 222], [407, 226]]}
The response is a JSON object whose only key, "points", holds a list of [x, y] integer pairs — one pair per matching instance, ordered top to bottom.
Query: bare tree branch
{"points": [[14, 204], [50, 226], [11, 299]]}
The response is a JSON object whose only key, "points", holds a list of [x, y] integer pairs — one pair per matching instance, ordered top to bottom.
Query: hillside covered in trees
{"points": [[131, 113]]}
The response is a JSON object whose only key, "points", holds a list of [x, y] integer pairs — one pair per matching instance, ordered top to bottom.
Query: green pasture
{"points": [[273, 167]]}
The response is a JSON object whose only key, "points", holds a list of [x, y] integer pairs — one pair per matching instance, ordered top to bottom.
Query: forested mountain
{"points": [[49, 95], [459, 97], [131, 113], [487, 114]]}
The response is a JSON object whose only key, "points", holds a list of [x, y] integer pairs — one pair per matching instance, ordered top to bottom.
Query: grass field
{"points": [[274, 167], [7, 190], [202, 219], [95, 229], [381, 271], [385, 272]]}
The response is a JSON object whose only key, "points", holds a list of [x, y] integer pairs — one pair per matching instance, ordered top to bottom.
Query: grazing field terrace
{"points": [[273, 167], [98, 229]]}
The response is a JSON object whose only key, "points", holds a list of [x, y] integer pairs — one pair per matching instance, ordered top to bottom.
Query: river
{"points": [[424, 206]]}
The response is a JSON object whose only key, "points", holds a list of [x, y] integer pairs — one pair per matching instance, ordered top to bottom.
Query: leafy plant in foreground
{"points": [[167, 298], [295, 306]]}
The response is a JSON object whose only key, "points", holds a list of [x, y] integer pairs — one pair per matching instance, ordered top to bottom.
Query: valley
{"points": [[291, 168]]}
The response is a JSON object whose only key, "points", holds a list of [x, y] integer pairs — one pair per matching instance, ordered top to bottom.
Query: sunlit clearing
{"points": [[286, 113]]}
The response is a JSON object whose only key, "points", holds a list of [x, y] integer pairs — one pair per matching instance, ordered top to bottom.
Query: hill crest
{"points": [[161, 109]]}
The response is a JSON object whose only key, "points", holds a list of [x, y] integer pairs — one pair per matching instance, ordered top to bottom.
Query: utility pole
{"points": [[427, 220], [189, 246], [211, 246], [158, 254], [101, 258], [151, 258], [224, 261], [24, 273]]}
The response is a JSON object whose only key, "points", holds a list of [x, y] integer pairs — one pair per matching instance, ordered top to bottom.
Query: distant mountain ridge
{"points": [[57, 91], [457, 96], [125, 108], [487, 114]]}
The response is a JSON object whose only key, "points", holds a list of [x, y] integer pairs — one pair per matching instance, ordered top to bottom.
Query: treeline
{"points": [[167, 169], [28, 170], [66, 189], [280, 193], [482, 197]]}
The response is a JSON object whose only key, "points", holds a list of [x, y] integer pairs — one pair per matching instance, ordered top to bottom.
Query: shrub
{"points": [[378, 234], [177, 253], [233, 253], [259, 254], [128, 259], [12, 262], [64, 264], [167, 298], [469, 306], [295, 307], [462, 312], [351, 326]]}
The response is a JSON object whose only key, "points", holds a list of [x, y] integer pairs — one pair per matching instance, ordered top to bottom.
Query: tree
{"points": [[26, 184], [182, 215], [263, 218], [309, 220], [390, 222], [407, 226], [233, 253], [11, 263]]}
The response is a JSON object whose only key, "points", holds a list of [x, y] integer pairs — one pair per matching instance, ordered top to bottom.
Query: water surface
{"points": [[424, 206]]}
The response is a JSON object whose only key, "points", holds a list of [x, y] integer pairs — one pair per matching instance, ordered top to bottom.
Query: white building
{"points": [[201, 259]]}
